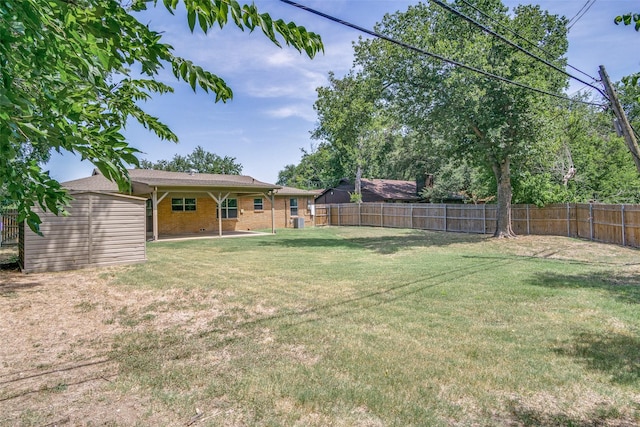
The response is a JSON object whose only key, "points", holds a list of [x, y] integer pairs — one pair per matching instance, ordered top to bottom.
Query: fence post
{"points": [[359, 214], [382, 215], [411, 216], [339, 217], [445, 218], [484, 218], [568, 221], [591, 221], [528, 222], [624, 237]]}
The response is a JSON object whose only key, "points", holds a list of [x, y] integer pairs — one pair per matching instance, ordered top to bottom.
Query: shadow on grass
{"points": [[380, 244], [11, 288], [624, 288], [614, 354], [617, 355]]}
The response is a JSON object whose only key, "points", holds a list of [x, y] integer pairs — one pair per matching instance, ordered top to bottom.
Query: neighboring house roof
{"points": [[156, 178], [379, 189], [391, 189]]}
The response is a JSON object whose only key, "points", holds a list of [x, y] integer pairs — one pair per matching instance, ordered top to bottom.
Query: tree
{"points": [[628, 19], [66, 83], [346, 111], [485, 121], [200, 160], [315, 170]]}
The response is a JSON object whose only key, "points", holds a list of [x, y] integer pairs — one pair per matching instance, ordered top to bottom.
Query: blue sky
{"points": [[271, 116]]}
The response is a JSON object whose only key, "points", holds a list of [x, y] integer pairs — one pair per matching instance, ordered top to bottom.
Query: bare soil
{"points": [[55, 329]]}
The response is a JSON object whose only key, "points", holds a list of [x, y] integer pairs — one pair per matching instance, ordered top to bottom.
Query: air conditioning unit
{"points": [[298, 222]]}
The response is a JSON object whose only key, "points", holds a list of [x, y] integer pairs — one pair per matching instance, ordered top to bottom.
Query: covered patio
{"points": [[207, 235]]}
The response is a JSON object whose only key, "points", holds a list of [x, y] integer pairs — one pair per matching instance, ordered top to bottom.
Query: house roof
{"points": [[142, 178], [387, 189], [391, 189], [291, 191]]}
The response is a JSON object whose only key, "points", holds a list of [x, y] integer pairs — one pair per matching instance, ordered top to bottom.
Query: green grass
{"points": [[363, 326]]}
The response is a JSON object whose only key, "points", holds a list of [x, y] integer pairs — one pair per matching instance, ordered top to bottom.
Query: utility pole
{"points": [[627, 131]]}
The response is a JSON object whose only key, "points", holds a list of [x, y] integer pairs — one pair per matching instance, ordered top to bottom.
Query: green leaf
{"points": [[191, 19], [192, 80]]}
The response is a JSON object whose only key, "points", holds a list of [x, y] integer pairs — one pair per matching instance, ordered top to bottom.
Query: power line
{"points": [[576, 17], [515, 33], [510, 43], [433, 55]]}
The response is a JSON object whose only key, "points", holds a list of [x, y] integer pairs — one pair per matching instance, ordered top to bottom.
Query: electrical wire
{"points": [[570, 24], [515, 33], [512, 44], [433, 55]]}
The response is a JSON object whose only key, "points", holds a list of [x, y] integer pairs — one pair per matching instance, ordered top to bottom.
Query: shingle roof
{"points": [[150, 177], [165, 178], [92, 183], [391, 189], [292, 191]]}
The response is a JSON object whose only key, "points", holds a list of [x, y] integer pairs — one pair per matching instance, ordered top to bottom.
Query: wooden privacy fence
{"points": [[618, 224], [9, 227]]}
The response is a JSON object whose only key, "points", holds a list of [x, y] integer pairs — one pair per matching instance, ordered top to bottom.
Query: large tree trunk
{"points": [[502, 172]]}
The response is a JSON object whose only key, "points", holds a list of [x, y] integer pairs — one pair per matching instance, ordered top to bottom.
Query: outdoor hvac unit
{"points": [[298, 222]]}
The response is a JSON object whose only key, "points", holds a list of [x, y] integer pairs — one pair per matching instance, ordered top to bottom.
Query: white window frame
{"points": [[184, 204], [226, 209]]}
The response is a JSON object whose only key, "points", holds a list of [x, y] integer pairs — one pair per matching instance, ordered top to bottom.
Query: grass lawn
{"points": [[340, 327]]}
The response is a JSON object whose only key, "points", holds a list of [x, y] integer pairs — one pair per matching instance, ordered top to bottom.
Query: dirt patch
{"points": [[57, 331]]}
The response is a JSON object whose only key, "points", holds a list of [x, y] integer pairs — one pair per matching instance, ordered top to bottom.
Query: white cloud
{"points": [[303, 111]]}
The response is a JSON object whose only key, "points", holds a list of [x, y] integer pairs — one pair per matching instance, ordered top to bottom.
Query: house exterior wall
{"points": [[204, 218], [176, 222], [102, 229]]}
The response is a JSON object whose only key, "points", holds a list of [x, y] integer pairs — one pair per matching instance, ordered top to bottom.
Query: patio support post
{"points": [[219, 200], [155, 202], [219, 203], [154, 212], [273, 212]]}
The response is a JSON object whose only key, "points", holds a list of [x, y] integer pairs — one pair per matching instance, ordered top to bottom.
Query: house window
{"points": [[183, 204], [257, 204], [293, 205], [229, 208]]}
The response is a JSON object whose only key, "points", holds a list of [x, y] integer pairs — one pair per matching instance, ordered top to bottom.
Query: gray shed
{"points": [[102, 229]]}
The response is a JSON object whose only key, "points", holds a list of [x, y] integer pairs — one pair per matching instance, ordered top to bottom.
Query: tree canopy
{"points": [[66, 83], [455, 112], [199, 160]]}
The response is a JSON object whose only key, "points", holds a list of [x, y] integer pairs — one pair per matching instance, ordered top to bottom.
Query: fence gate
{"points": [[8, 227]]}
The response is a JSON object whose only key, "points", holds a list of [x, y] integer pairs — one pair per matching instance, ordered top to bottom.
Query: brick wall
{"points": [[204, 218]]}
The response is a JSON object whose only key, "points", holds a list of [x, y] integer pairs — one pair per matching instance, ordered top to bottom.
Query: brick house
{"points": [[180, 203]]}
